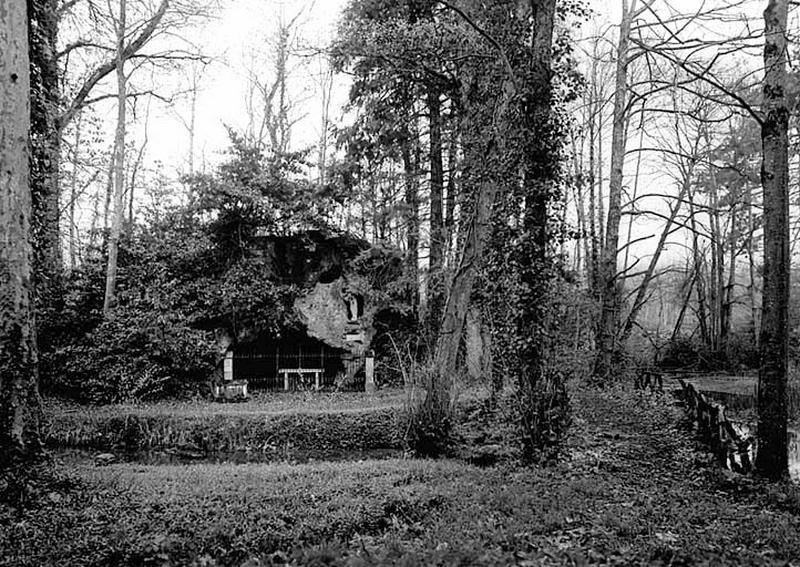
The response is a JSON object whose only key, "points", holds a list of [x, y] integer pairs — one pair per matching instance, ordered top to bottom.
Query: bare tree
{"points": [[120, 24], [195, 73], [270, 107], [73, 197], [607, 340]]}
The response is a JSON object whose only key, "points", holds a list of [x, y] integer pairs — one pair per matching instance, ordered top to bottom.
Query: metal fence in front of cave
{"points": [[261, 369]]}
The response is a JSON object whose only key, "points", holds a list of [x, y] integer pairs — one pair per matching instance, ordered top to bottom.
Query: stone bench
{"points": [[302, 372]]}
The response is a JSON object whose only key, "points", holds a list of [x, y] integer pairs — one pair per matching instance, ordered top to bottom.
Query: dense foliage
{"points": [[473, 80], [194, 268]]}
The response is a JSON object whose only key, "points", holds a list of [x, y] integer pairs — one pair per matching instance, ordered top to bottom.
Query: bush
{"points": [[396, 344], [685, 352], [135, 355], [429, 413], [545, 415]]}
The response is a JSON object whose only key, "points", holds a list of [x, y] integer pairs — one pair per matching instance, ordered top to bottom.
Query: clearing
{"points": [[635, 490]]}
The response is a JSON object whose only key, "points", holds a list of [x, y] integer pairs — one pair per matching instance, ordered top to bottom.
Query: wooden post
{"points": [[227, 367], [369, 372], [286, 380], [316, 380], [713, 430], [744, 455]]}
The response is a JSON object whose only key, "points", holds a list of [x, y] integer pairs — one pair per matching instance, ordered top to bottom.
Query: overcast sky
{"points": [[243, 28], [240, 35]]}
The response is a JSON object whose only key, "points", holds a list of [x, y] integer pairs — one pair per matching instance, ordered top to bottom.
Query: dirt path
{"points": [[666, 498]]}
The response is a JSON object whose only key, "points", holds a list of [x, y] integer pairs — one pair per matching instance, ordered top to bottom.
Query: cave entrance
{"points": [[265, 361]]}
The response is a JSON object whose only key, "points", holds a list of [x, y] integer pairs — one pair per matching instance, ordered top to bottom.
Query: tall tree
{"points": [[120, 24], [404, 73], [270, 109], [49, 120], [45, 152], [540, 163], [607, 339], [19, 397], [772, 454]]}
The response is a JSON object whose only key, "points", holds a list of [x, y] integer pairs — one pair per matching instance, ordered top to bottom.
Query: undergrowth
{"points": [[343, 430]]}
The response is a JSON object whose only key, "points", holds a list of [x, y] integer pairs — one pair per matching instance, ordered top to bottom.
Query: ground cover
{"points": [[266, 423], [635, 490]]}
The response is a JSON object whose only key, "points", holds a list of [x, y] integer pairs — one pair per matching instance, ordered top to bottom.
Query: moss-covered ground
{"points": [[636, 490]]}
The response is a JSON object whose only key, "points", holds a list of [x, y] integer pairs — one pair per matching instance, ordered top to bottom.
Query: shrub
{"points": [[689, 353], [137, 354], [429, 412], [545, 416]]}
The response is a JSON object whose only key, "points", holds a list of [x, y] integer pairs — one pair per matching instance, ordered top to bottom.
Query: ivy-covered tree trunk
{"points": [[45, 155], [540, 168], [19, 397], [772, 454]]}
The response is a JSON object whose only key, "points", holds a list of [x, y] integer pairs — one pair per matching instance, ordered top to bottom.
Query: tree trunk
{"points": [[326, 86], [192, 120], [45, 155], [137, 164], [119, 167], [537, 182], [636, 191], [109, 192], [73, 195], [450, 201], [601, 201], [412, 217], [593, 252], [436, 256], [717, 263], [751, 263], [730, 285], [455, 311], [702, 318], [676, 330], [607, 340], [19, 398], [772, 455]]}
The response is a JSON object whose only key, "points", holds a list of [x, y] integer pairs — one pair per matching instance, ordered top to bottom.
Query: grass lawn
{"points": [[260, 403], [634, 491]]}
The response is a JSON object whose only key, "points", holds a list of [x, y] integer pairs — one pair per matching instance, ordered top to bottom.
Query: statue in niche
{"points": [[355, 306]]}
